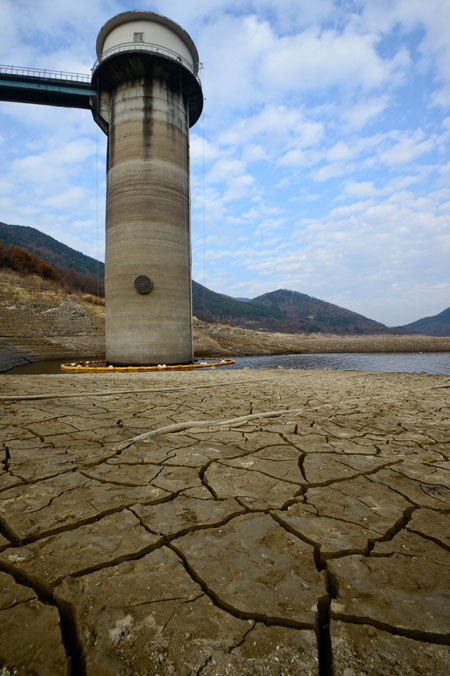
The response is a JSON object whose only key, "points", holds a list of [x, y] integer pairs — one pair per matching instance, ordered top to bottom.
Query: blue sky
{"points": [[320, 164]]}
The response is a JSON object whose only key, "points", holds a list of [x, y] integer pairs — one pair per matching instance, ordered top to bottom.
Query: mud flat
{"points": [[238, 523]]}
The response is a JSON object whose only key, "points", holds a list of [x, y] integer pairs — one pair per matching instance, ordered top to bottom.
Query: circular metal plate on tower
{"points": [[143, 284]]}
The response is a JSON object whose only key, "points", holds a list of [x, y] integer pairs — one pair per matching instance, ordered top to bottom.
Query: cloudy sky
{"points": [[320, 164]]}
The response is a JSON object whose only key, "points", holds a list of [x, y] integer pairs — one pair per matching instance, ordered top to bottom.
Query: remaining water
{"points": [[407, 362], [40, 367]]}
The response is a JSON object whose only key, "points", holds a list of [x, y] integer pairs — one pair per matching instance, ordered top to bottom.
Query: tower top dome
{"points": [[146, 31]]}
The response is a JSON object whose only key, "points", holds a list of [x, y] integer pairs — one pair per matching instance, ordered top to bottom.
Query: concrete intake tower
{"points": [[149, 95]]}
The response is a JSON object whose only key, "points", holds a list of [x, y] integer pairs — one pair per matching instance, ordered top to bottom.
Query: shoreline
{"points": [[214, 339], [299, 345]]}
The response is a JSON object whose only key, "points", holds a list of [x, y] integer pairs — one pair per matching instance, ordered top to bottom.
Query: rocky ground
{"points": [[39, 321], [230, 523]]}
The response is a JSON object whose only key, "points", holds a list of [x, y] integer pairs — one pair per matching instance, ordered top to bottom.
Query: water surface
{"points": [[403, 362], [406, 362]]}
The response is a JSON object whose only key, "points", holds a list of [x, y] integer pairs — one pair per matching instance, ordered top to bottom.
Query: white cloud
{"points": [[432, 18], [234, 46], [319, 59], [250, 62], [441, 97], [362, 111], [276, 126], [409, 147], [200, 149], [340, 151], [253, 153], [297, 158], [53, 166], [225, 169], [331, 170], [238, 187], [360, 189], [72, 198], [350, 209]]}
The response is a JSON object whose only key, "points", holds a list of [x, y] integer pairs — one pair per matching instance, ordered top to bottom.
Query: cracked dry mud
{"points": [[161, 524]]}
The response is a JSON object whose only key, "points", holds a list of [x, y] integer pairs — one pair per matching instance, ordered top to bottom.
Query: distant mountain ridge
{"points": [[283, 310], [286, 312], [313, 314], [438, 325]]}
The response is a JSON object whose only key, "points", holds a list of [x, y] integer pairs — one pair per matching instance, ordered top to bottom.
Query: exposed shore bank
{"points": [[38, 322], [215, 339]]}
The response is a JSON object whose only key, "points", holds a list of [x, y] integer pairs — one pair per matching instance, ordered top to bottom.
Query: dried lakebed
{"points": [[269, 522]]}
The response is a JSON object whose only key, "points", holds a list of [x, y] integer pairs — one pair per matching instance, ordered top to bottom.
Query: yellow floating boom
{"points": [[102, 367]]}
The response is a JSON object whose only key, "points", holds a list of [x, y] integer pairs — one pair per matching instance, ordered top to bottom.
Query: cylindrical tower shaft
{"points": [[148, 101], [147, 225]]}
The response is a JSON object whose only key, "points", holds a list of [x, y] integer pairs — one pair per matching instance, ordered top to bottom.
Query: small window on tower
{"points": [[138, 37]]}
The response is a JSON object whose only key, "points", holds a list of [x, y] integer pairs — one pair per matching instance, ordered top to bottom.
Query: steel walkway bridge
{"points": [[46, 87]]}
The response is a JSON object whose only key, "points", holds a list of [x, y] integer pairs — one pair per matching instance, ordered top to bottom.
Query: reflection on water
{"points": [[408, 362]]}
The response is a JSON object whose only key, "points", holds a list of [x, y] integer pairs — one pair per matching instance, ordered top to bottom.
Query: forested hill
{"points": [[50, 249], [77, 269], [284, 311], [312, 314], [438, 325]]}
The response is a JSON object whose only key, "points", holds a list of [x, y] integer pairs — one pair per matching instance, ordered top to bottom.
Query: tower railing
{"points": [[148, 47], [43, 73], [67, 76]]}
